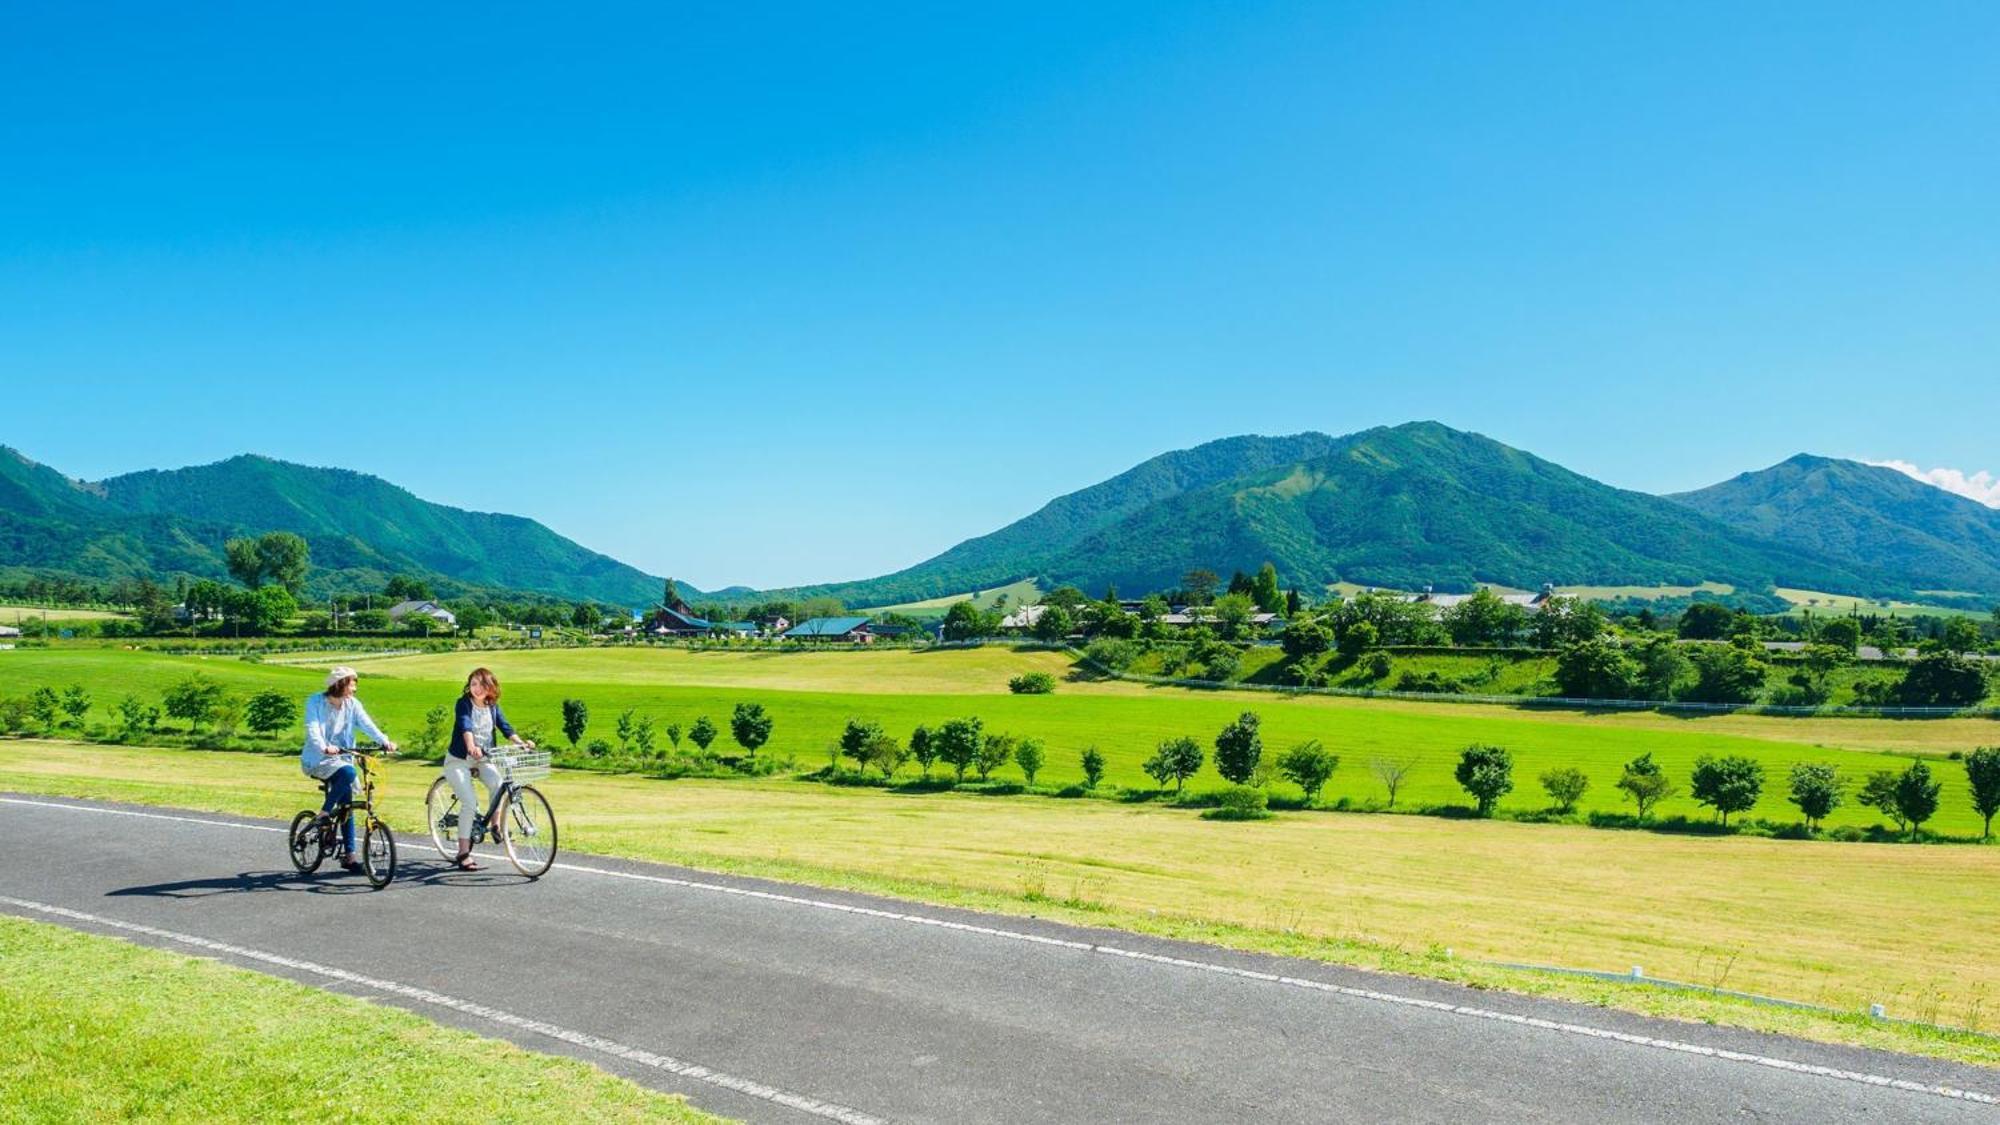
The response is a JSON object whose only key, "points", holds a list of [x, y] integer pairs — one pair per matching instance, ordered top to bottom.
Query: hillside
{"points": [[1406, 506], [1858, 515], [362, 529]]}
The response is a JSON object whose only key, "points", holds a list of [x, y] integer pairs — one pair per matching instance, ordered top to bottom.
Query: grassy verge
{"points": [[1852, 924], [96, 1029]]}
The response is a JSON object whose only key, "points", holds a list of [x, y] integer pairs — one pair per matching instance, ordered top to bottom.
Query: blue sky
{"points": [[812, 293]]}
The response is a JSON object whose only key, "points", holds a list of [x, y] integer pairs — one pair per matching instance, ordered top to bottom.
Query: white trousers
{"points": [[458, 773]]}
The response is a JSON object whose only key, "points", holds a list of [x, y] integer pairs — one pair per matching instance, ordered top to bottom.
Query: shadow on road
{"points": [[431, 873]]}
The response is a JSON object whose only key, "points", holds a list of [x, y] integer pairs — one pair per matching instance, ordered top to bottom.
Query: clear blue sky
{"points": [[811, 294]]}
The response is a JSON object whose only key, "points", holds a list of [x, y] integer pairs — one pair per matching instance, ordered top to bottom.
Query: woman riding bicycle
{"points": [[332, 717], [472, 739]]}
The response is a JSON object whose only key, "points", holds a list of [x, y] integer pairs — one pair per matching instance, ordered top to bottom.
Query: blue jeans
{"points": [[339, 791]]}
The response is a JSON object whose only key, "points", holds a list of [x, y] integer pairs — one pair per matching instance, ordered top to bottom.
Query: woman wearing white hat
{"points": [[332, 717]]}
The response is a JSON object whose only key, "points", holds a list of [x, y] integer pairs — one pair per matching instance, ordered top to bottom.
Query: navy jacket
{"points": [[462, 725]]}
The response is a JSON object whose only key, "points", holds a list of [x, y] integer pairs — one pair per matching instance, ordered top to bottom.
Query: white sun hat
{"points": [[334, 677]]}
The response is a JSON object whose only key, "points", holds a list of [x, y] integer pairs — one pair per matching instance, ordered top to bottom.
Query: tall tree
{"points": [[1199, 585], [1264, 590], [1238, 749], [1982, 774], [1727, 785]]}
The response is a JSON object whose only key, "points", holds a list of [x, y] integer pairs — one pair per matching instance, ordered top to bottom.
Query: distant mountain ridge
{"points": [[361, 529], [1936, 540]]}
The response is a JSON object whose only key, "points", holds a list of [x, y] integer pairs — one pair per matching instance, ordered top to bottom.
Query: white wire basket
{"points": [[522, 765]]}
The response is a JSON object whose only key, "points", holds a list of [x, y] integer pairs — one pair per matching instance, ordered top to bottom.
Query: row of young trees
{"points": [[202, 703]]}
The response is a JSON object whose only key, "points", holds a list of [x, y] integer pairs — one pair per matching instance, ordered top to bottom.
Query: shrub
{"points": [[1110, 654], [1376, 665], [1595, 669], [1725, 674], [1943, 679], [1431, 682], [1032, 683], [193, 700], [76, 703], [45, 705], [272, 711], [14, 714], [136, 718], [575, 720], [431, 734], [598, 748], [1238, 749], [996, 751], [1028, 755], [1308, 765], [1093, 767], [1486, 772], [1727, 785], [1565, 786], [1816, 790], [1240, 802]]}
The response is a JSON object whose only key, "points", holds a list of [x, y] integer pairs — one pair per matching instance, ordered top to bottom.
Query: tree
{"points": [[274, 558], [1200, 584], [407, 588], [1264, 590], [670, 595], [205, 600], [1232, 614], [586, 615], [1484, 619], [963, 621], [1565, 621], [1707, 621], [1052, 624], [1843, 633], [1961, 635], [1305, 638], [1358, 638], [1817, 663], [1658, 669], [1595, 670], [1725, 674], [1943, 679], [193, 700], [76, 703], [45, 705], [272, 711], [228, 715], [136, 717], [575, 720], [627, 721], [749, 726], [702, 733], [674, 734], [430, 736], [642, 736], [855, 739], [958, 743], [923, 749], [1238, 749], [995, 751], [885, 753], [1028, 755], [1175, 760], [1308, 765], [1093, 766], [1391, 772], [1486, 772], [1982, 774], [1645, 784], [1727, 785], [1565, 786], [1816, 788], [1879, 792], [1917, 796]]}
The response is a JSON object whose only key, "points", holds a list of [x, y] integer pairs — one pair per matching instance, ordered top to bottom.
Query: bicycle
{"points": [[517, 817], [313, 834]]}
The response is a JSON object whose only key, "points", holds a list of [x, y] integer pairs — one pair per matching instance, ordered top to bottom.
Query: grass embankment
{"points": [[812, 695], [1842, 925], [96, 1029]]}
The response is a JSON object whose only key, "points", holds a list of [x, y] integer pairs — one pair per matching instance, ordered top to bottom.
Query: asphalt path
{"points": [[774, 1002]]}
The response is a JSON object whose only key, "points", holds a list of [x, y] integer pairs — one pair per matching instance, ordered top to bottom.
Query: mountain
{"points": [[1407, 506], [1859, 514], [361, 529]]}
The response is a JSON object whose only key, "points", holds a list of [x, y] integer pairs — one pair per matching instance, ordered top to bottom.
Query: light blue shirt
{"points": [[330, 729]]}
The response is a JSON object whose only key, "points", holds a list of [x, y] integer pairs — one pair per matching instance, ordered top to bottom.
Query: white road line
{"points": [[1585, 1030], [829, 1110]]}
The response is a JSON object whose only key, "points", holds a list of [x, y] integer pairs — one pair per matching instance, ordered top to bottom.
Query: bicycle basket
{"points": [[523, 765]]}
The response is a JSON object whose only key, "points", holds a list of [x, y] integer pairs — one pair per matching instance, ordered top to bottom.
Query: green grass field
{"points": [[1019, 593], [1823, 604], [17, 614], [812, 695], [1842, 925], [96, 1029]]}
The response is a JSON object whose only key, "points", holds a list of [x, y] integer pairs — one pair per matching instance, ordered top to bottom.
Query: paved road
{"points": [[779, 1003]]}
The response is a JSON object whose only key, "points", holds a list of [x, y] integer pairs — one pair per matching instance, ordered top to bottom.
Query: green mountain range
{"points": [[1407, 506], [361, 529], [1930, 538]]}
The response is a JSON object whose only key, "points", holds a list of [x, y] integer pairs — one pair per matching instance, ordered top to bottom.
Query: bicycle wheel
{"points": [[441, 812], [529, 829], [307, 845], [378, 854]]}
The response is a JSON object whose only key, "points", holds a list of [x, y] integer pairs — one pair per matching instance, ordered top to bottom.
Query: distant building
{"points": [[429, 609], [1022, 619], [676, 621], [734, 628], [849, 630], [9, 631]]}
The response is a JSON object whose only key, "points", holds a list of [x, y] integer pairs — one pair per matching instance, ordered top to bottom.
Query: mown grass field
{"points": [[1019, 593], [1823, 604], [16, 614], [812, 695], [1843, 925], [96, 1029]]}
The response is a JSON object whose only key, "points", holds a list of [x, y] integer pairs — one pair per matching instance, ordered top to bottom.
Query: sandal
{"points": [[466, 863]]}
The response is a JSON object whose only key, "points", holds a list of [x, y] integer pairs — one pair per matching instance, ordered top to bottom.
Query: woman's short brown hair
{"points": [[484, 678]]}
